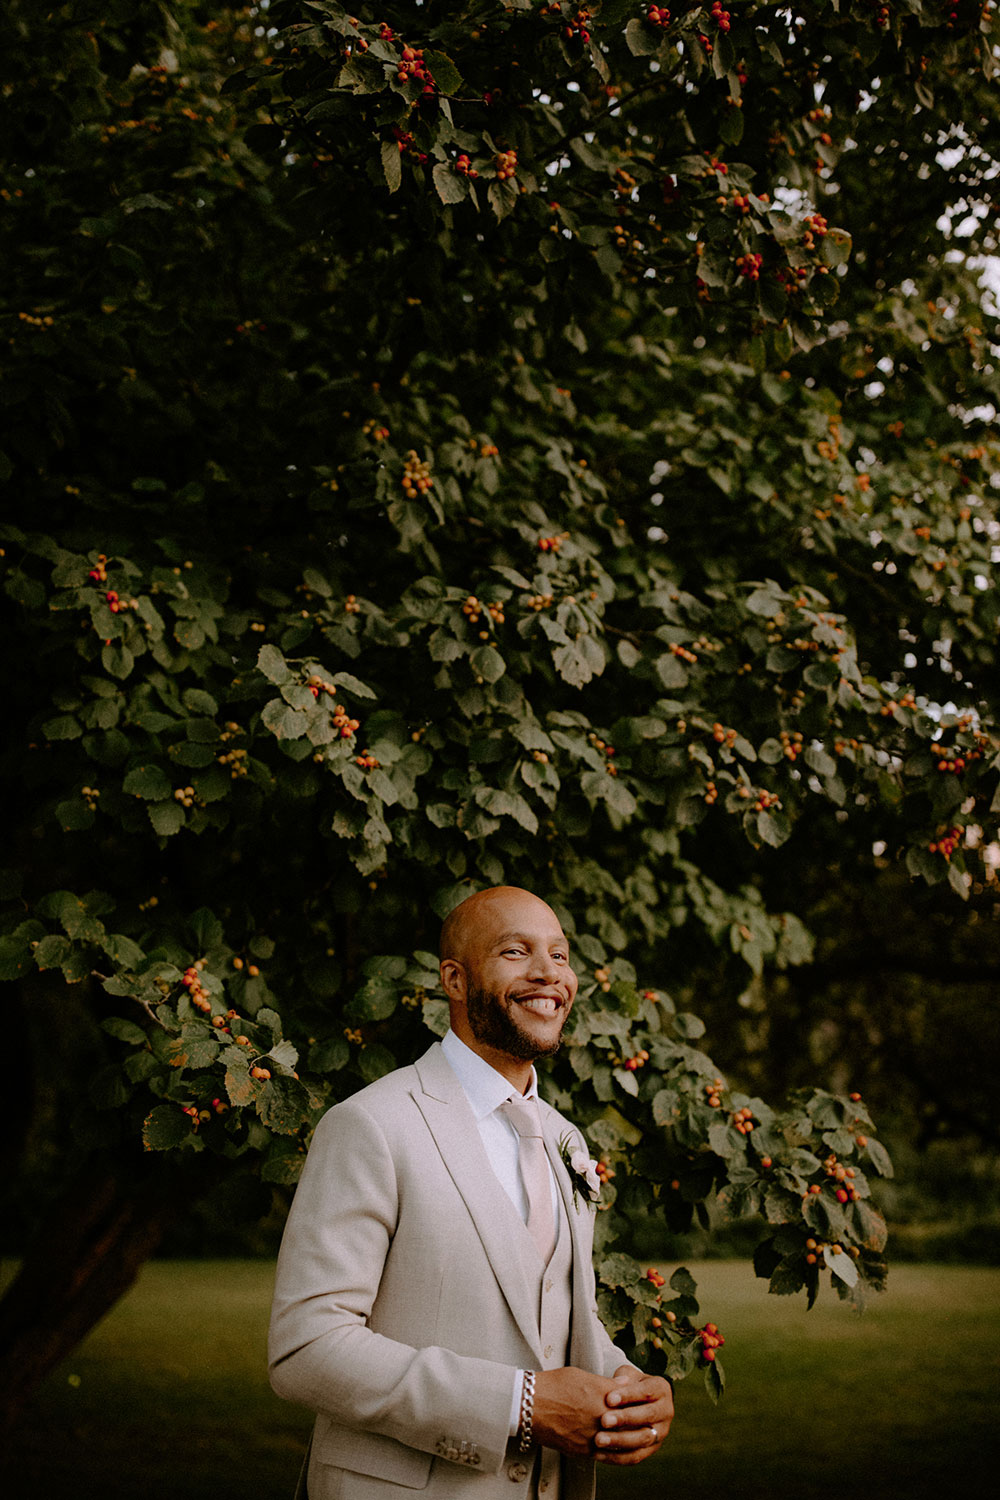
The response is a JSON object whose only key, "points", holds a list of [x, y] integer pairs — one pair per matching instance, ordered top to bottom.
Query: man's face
{"points": [[520, 985]]}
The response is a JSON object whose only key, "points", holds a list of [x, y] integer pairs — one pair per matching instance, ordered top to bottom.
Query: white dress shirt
{"points": [[486, 1090]]}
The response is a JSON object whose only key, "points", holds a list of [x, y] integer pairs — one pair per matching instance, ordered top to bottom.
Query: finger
{"points": [[629, 1393], [658, 1414], [628, 1440], [624, 1458]]}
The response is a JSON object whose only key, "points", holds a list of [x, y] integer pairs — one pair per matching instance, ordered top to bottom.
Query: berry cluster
{"points": [[658, 15], [721, 17], [576, 26], [413, 69], [506, 165], [464, 167], [816, 228], [624, 240], [749, 266], [34, 322], [374, 429], [416, 478], [551, 543], [99, 572], [539, 601], [116, 604], [351, 605], [676, 649], [316, 686], [888, 709], [343, 722], [723, 736], [791, 744], [541, 757], [955, 759], [236, 760], [366, 761], [90, 794], [185, 796], [946, 844], [251, 969], [603, 978], [197, 994], [354, 1036], [640, 1059], [261, 1074], [712, 1098], [196, 1115], [743, 1120], [604, 1171], [845, 1192], [815, 1248], [653, 1275], [711, 1340]]}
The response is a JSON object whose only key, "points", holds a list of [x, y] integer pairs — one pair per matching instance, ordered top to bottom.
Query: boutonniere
{"points": [[582, 1171]]}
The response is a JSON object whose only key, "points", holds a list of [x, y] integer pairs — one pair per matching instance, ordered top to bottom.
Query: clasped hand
{"points": [[623, 1420]]}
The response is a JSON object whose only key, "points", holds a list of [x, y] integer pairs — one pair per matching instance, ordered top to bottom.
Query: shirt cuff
{"points": [[515, 1409]]}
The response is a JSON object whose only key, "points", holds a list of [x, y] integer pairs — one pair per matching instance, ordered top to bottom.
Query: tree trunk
{"points": [[88, 1253]]}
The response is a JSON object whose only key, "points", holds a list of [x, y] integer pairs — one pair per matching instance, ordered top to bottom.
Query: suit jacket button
{"points": [[517, 1472]]}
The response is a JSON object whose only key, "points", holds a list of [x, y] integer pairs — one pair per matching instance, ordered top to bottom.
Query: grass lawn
{"points": [[167, 1400]]}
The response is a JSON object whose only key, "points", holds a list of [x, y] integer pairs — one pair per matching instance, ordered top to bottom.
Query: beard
{"points": [[492, 1023]]}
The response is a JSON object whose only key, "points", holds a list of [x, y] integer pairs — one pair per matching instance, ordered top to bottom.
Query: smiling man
{"points": [[434, 1302]]}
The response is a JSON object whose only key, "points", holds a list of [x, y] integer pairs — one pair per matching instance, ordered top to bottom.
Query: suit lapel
{"points": [[443, 1104], [584, 1350]]}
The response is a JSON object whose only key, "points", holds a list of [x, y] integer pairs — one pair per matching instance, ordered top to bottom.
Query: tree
{"points": [[451, 452]]}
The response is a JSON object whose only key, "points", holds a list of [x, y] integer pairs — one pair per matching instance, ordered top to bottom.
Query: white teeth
{"points": [[541, 1005]]}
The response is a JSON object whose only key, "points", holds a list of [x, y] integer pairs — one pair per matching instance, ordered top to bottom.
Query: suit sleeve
{"points": [[321, 1351]]}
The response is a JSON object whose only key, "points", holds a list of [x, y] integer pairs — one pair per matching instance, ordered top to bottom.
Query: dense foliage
{"points": [[460, 444]]}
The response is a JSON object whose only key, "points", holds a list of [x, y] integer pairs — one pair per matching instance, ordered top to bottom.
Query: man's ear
{"points": [[453, 980]]}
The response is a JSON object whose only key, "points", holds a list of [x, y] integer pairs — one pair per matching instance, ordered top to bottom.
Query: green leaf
{"points": [[443, 71], [392, 165], [449, 186], [487, 663], [273, 666], [671, 672], [354, 685], [284, 722], [64, 727], [149, 782], [167, 818], [52, 952], [15, 958], [125, 1031], [329, 1056], [375, 1061], [165, 1127], [879, 1157]]}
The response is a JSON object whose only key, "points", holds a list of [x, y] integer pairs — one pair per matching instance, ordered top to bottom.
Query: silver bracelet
{"points": [[527, 1411]]}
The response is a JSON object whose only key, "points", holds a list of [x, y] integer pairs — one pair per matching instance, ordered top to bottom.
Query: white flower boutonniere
{"points": [[582, 1171]]}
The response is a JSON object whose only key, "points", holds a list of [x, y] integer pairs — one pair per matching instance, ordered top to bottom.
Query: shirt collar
{"points": [[485, 1088]]}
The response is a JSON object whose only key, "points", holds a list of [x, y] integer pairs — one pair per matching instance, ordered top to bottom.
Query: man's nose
{"points": [[544, 967]]}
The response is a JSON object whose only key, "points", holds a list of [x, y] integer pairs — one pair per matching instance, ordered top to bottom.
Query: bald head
{"points": [[466, 924]]}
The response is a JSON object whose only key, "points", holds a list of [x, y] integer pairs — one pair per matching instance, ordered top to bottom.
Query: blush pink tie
{"points": [[523, 1114]]}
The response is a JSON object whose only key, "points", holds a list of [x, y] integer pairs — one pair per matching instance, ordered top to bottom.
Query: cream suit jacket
{"points": [[400, 1313]]}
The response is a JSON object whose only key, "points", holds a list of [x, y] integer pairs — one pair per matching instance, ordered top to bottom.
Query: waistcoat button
{"points": [[517, 1472]]}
